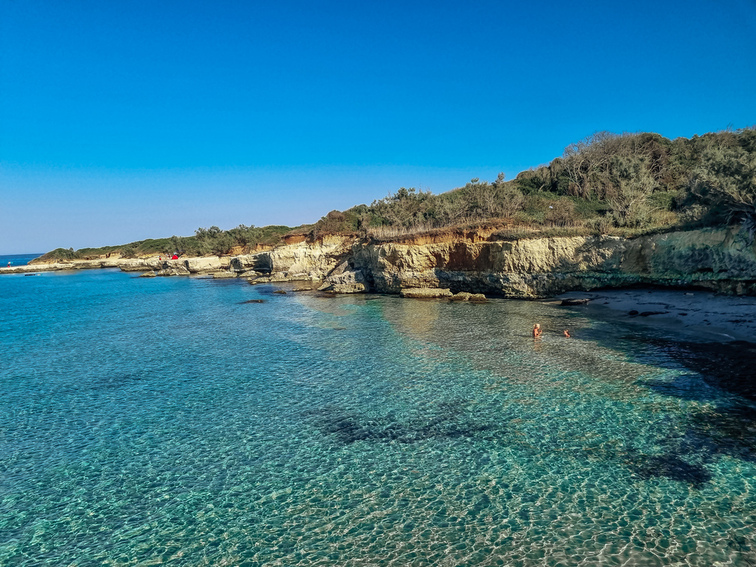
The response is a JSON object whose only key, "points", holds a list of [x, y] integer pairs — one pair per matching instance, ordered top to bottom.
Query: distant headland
{"points": [[613, 211]]}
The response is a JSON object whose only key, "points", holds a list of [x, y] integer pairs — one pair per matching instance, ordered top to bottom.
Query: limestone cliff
{"points": [[720, 260], [300, 261], [479, 262]]}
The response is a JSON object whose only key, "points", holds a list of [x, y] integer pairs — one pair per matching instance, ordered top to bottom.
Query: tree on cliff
{"points": [[725, 181], [406, 207], [213, 240]]}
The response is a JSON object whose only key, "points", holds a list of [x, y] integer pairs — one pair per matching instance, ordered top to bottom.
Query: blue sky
{"points": [[127, 120]]}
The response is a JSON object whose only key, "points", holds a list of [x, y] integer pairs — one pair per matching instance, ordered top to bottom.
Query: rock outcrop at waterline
{"points": [[720, 260], [476, 262], [156, 265]]}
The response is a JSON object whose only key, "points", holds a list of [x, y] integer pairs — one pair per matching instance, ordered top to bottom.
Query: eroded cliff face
{"points": [[720, 260], [299, 261], [478, 262]]}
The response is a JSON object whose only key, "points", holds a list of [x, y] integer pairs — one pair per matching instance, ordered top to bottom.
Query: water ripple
{"points": [[166, 421]]}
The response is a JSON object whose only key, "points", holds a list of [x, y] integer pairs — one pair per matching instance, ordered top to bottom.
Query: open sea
{"points": [[17, 259], [172, 421]]}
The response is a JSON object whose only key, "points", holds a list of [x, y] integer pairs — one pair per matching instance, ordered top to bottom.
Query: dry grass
{"points": [[392, 232]]}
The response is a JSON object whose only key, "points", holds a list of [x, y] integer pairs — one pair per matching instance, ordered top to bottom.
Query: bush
{"points": [[725, 181], [561, 213], [600, 225], [129, 251], [60, 254]]}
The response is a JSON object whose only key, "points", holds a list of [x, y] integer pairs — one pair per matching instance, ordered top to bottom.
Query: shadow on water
{"points": [[727, 366], [721, 378], [685, 387], [728, 431], [707, 435]]}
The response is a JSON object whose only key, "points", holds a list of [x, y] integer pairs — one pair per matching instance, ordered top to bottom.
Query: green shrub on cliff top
{"points": [[725, 181], [632, 182], [60, 255]]}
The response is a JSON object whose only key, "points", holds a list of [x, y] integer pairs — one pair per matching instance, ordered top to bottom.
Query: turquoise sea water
{"points": [[166, 421]]}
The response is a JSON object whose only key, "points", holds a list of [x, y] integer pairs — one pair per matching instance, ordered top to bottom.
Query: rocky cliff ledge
{"points": [[720, 260], [476, 262], [154, 265]]}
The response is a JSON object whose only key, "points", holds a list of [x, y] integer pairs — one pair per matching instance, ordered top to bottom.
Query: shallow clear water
{"points": [[164, 420]]}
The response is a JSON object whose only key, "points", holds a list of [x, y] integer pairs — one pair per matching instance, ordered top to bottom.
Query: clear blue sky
{"points": [[127, 120]]}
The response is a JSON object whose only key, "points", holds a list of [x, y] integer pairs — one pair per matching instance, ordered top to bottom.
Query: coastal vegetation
{"points": [[623, 184], [204, 242]]}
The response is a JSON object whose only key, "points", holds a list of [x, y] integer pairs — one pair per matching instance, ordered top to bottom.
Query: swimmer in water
{"points": [[537, 331]]}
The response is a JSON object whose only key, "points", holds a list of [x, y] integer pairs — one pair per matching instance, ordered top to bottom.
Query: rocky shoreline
{"points": [[475, 262], [150, 265], [686, 269]]}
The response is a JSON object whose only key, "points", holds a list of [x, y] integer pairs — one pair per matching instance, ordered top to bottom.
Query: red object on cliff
{"points": [[174, 257]]}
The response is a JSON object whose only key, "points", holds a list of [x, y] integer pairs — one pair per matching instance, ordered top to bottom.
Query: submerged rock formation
{"points": [[426, 292]]}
